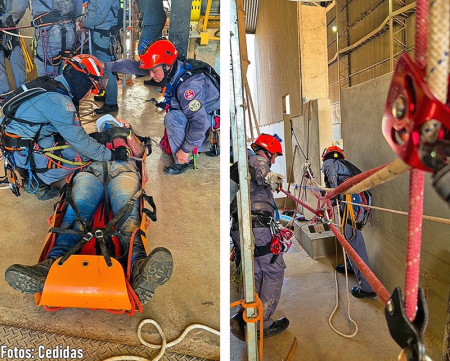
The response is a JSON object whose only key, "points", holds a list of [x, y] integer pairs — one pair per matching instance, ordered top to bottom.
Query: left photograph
{"points": [[110, 152]]}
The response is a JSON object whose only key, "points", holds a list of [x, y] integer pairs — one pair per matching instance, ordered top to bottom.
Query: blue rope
{"points": [[31, 176], [277, 214]]}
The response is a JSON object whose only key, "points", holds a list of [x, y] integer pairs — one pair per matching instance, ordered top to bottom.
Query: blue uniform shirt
{"points": [[59, 112]]}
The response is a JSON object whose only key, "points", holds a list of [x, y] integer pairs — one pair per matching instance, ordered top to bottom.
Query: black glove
{"points": [[9, 22], [161, 105], [99, 137], [147, 142], [120, 153]]}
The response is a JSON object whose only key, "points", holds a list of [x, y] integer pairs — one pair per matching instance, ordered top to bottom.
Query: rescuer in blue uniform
{"points": [[102, 20], [54, 22], [10, 49], [192, 100], [50, 118], [334, 174], [268, 268]]}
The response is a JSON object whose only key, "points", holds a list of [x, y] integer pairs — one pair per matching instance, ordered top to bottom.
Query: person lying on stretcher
{"points": [[114, 183]]}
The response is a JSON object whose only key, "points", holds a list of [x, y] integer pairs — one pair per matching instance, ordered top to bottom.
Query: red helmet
{"points": [[159, 53], [90, 66], [269, 143], [335, 150]]}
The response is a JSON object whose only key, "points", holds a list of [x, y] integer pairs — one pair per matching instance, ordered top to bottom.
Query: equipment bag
{"points": [[65, 9]]}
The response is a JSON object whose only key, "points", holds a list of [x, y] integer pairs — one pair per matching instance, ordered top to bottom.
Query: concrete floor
{"points": [[188, 225], [307, 300]]}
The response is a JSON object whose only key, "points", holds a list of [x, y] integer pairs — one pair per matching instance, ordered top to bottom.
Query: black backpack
{"points": [[193, 67], [27, 91], [362, 213]]}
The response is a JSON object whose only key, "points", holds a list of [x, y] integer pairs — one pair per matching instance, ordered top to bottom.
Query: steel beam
{"points": [[239, 141]]}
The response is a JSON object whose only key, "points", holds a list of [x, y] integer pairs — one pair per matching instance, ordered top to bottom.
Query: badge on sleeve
{"points": [[189, 94], [194, 105], [70, 107], [76, 120]]}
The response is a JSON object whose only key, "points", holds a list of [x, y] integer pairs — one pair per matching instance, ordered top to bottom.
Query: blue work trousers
{"points": [[150, 32], [103, 42], [49, 44], [17, 63], [176, 124], [122, 181], [356, 240], [269, 277]]}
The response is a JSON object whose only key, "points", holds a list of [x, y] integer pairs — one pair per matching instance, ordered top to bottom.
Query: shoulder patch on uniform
{"points": [[189, 94], [194, 105], [70, 107]]}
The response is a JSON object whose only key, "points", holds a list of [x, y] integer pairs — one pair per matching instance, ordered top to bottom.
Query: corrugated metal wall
{"points": [[251, 15], [356, 19], [277, 59]]}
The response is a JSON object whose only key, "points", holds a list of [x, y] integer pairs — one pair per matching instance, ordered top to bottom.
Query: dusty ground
{"points": [[307, 300]]}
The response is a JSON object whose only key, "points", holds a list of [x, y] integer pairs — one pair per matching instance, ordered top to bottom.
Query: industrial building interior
{"points": [[317, 74], [187, 224]]}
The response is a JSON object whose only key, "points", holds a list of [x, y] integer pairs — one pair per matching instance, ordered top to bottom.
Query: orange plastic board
{"points": [[85, 281]]}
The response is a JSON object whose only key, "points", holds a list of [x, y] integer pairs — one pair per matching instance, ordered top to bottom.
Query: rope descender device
{"points": [[415, 124]]}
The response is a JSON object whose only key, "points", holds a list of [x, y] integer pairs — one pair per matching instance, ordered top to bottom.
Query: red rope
{"points": [[421, 37], [351, 182], [416, 182], [299, 202], [414, 238], [374, 282]]}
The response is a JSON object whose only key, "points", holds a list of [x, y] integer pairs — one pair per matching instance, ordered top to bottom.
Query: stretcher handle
{"points": [[150, 213]]}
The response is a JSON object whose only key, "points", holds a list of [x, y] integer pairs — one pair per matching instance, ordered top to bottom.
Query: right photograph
{"points": [[339, 180]]}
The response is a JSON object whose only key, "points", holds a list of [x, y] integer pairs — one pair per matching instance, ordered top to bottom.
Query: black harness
{"points": [[54, 17], [11, 142]]}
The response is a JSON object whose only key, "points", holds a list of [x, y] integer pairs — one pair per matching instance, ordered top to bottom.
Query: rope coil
{"points": [[164, 345]]}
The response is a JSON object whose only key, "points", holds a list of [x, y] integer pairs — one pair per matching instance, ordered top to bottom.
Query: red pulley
{"points": [[415, 123], [275, 244]]}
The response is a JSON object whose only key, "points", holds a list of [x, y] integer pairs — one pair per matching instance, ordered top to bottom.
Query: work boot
{"points": [[99, 98], [107, 108], [212, 153], [176, 168], [46, 192], [340, 268], [151, 272], [28, 279], [359, 293], [237, 324], [276, 328]]}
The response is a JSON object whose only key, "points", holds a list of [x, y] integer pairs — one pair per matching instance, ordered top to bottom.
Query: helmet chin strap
{"points": [[168, 73], [268, 155]]}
